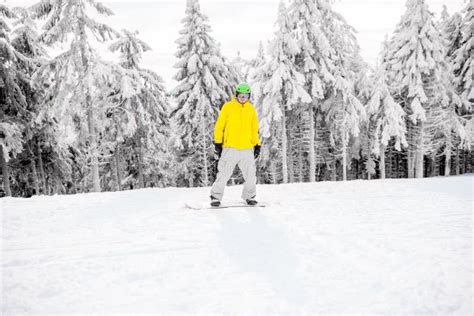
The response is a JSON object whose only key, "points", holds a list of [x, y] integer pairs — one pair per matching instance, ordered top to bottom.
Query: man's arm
{"points": [[220, 126], [255, 138]]}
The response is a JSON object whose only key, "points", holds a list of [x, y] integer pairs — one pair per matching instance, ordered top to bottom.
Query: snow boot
{"points": [[251, 201], [215, 202]]}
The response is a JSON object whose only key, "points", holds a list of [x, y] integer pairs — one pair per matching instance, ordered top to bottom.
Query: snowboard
{"points": [[222, 206]]}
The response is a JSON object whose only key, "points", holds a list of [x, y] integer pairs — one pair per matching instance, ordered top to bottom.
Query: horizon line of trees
{"points": [[74, 122]]}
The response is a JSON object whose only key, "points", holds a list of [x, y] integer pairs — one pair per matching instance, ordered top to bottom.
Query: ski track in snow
{"points": [[366, 247]]}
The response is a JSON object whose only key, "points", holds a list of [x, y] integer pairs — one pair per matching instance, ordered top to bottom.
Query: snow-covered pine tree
{"points": [[24, 40], [463, 55], [314, 60], [256, 62], [417, 65], [241, 67], [76, 70], [464, 75], [256, 76], [205, 83], [278, 86], [363, 86], [13, 109], [344, 111], [386, 119], [455, 128], [145, 130], [298, 134], [270, 154], [158, 157]]}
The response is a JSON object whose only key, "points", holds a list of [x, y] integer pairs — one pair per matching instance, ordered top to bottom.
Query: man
{"points": [[236, 143]]}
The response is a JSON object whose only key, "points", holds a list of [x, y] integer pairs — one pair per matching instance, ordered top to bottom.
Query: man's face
{"points": [[242, 97]]}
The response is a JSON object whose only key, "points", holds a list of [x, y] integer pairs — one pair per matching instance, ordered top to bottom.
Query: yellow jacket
{"points": [[237, 125]]}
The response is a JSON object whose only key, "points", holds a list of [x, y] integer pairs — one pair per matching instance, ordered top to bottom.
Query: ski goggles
{"points": [[243, 95]]}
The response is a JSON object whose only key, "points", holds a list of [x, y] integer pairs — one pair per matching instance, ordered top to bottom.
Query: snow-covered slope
{"points": [[392, 247]]}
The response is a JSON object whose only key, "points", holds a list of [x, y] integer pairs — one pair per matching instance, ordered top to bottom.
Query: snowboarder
{"points": [[236, 142]]}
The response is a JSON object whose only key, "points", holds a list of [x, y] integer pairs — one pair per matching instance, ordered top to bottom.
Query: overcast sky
{"points": [[239, 25]]}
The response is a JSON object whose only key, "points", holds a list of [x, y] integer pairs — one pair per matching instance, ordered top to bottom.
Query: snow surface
{"points": [[366, 247]]}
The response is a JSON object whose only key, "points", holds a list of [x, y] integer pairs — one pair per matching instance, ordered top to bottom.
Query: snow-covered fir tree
{"points": [[24, 40], [327, 46], [462, 57], [314, 60], [256, 62], [417, 65], [241, 67], [463, 67], [73, 76], [255, 76], [205, 83], [278, 86], [363, 86], [12, 98], [144, 107], [344, 111], [386, 119], [454, 134], [270, 165]]}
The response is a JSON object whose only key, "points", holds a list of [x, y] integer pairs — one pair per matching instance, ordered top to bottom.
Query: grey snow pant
{"points": [[246, 161]]}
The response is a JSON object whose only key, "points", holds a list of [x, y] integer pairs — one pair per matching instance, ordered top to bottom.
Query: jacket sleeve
{"points": [[220, 126], [255, 138]]}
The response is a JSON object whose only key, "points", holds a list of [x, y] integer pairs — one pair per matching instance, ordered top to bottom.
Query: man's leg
{"points": [[225, 168], [249, 171]]}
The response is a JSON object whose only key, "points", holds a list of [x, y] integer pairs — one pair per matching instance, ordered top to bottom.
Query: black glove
{"points": [[218, 149], [256, 151]]}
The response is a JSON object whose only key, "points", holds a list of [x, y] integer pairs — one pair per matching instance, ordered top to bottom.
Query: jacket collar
{"points": [[233, 99]]}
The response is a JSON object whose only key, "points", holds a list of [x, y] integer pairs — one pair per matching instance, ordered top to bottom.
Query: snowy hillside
{"points": [[383, 246]]}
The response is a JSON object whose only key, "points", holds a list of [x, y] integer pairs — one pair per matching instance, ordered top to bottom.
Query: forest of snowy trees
{"points": [[72, 121]]}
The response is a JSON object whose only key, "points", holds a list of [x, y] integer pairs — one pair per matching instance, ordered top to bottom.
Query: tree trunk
{"points": [[90, 114], [204, 132], [93, 144], [284, 149], [411, 150], [419, 153], [312, 154], [117, 158], [344, 158], [470, 160], [317, 161], [456, 161], [466, 161], [290, 162], [382, 162], [398, 162], [410, 162], [432, 162], [300, 163], [390, 164], [447, 165], [41, 169], [334, 170], [273, 171], [5, 173], [35, 175], [189, 176], [74, 180], [141, 180], [48, 186], [60, 187]]}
